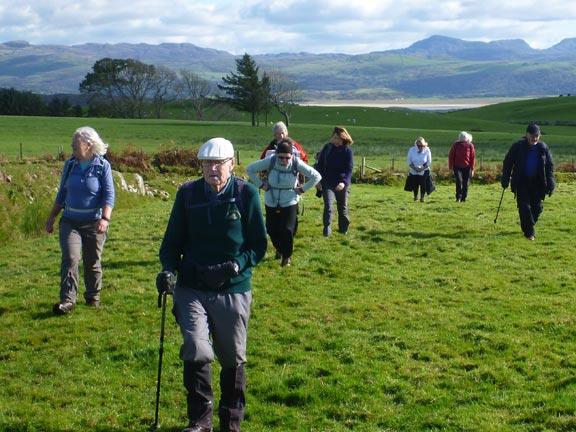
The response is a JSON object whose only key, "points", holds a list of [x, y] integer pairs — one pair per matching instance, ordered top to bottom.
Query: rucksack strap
{"points": [[294, 164], [69, 165], [236, 198]]}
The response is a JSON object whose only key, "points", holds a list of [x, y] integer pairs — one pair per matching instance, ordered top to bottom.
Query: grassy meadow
{"points": [[425, 317]]}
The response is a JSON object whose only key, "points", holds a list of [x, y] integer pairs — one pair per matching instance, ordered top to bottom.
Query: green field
{"points": [[380, 134], [426, 317]]}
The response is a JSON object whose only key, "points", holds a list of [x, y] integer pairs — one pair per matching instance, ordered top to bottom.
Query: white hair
{"points": [[279, 127], [90, 136], [465, 136]]}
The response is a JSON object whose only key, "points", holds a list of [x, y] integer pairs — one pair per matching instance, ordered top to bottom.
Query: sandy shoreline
{"points": [[412, 103]]}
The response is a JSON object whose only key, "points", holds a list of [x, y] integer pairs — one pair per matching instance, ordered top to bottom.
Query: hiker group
{"points": [[528, 167], [217, 234]]}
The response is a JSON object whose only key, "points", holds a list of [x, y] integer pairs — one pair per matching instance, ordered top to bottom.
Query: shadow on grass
{"points": [[382, 235], [124, 264], [27, 427]]}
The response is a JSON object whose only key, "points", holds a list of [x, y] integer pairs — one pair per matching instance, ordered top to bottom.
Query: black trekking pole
{"points": [[499, 205], [162, 304]]}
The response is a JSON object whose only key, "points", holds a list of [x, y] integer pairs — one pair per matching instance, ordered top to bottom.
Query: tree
{"points": [[123, 86], [163, 86], [245, 89], [195, 90], [284, 93], [14, 102], [58, 107]]}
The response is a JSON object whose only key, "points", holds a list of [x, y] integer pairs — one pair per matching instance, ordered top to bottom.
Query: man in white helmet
{"points": [[214, 237]]}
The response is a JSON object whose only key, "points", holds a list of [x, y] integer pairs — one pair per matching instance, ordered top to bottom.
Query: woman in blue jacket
{"points": [[86, 197]]}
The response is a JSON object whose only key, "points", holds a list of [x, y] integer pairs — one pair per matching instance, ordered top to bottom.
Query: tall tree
{"points": [[124, 85], [163, 88], [245, 89], [194, 90], [284, 93]]}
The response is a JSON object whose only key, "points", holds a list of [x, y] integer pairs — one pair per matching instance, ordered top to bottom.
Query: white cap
{"points": [[216, 149]]}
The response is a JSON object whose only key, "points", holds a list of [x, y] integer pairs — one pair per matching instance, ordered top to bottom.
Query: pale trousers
{"points": [[212, 324]]}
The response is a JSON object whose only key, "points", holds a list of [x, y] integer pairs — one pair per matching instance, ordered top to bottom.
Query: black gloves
{"points": [[505, 183], [549, 191], [214, 276], [165, 282]]}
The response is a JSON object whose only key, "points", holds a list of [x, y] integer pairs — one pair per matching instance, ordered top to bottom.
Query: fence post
{"points": [[20, 152], [362, 168]]}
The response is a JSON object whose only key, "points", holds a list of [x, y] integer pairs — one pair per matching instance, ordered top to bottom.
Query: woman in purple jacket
{"points": [[335, 163], [86, 197]]}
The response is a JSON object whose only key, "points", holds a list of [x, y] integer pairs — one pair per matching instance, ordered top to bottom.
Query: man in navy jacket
{"points": [[529, 168]]}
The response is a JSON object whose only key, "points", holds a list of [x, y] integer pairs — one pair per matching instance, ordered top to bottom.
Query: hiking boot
{"points": [[285, 262], [93, 303], [62, 308], [196, 428]]}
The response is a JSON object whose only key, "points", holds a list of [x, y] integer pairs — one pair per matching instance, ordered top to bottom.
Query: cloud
{"points": [[271, 26]]}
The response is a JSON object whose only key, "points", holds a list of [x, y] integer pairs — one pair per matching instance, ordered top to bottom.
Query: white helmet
{"points": [[216, 149]]}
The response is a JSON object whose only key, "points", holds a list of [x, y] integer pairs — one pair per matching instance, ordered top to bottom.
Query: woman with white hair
{"points": [[280, 132], [419, 160], [462, 164], [86, 197]]}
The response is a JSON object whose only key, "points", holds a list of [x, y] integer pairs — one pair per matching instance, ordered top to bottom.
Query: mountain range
{"points": [[438, 66]]}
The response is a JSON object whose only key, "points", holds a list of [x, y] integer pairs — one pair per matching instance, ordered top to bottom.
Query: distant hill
{"points": [[438, 66]]}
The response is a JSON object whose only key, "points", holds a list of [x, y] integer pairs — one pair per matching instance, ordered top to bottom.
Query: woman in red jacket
{"points": [[280, 132], [462, 164]]}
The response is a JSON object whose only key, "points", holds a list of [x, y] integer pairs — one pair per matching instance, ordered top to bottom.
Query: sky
{"points": [[281, 26]]}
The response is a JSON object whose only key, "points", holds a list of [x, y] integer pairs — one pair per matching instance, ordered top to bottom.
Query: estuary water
{"points": [[414, 104]]}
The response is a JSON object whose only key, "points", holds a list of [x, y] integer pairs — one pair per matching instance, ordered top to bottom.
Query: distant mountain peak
{"points": [[565, 45], [444, 46], [438, 66]]}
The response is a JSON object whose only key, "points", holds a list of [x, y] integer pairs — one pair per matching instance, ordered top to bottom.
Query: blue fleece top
{"points": [[531, 162], [84, 192]]}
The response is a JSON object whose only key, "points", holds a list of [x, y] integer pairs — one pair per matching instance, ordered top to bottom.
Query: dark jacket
{"points": [[514, 162], [335, 165], [206, 229]]}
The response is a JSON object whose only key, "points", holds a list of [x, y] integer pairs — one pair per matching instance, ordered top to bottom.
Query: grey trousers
{"points": [[341, 198], [80, 240], [212, 323]]}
